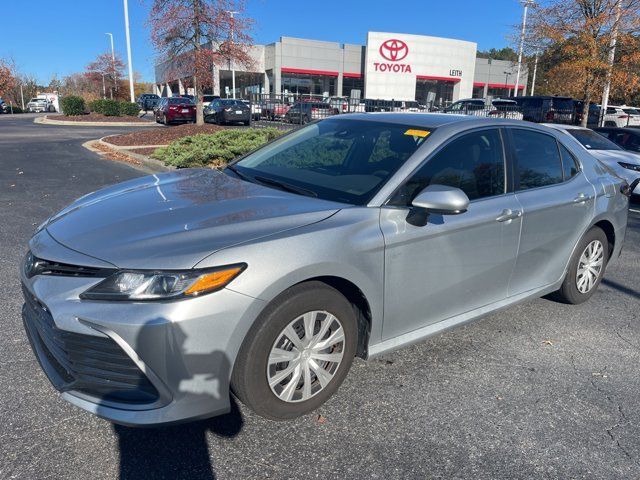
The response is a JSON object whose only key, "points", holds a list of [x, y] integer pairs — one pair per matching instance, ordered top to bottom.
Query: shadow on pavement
{"points": [[621, 288]]}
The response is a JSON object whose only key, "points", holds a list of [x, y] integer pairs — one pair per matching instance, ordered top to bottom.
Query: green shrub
{"points": [[72, 105], [97, 106], [15, 108], [110, 108], [129, 109], [214, 150]]}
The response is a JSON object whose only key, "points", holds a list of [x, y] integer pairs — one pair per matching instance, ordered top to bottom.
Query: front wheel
{"points": [[586, 268], [298, 352]]}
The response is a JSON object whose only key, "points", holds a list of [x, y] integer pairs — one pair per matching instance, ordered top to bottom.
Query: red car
{"points": [[175, 109]]}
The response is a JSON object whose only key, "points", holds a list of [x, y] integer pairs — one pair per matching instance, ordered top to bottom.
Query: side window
{"points": [[537, 159], [473, 163], [569, 163]]}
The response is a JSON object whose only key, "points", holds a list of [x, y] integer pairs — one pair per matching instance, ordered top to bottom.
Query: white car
{"points": [[39, 105], [478, 107], [634, 115], [617, 116], [623, 163]]}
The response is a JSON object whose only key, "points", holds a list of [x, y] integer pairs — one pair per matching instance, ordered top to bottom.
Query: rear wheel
{"points": [[586, 268], [298, 353]]}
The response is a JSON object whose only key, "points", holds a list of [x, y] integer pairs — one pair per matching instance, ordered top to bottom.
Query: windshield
{"points": [[631, 111], [592, 140], [340, 160]]}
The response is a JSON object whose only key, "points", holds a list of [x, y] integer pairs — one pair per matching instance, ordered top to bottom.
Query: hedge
{"points": [[72, 105], [110, 108], [114, 108], [129, 109], [214, 150]]}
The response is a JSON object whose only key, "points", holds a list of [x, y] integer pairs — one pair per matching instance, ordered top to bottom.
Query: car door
{"points": [[557, 202], [454, 263]]}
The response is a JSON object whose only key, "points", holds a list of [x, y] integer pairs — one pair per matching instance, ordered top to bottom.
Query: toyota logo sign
{"points": [[394, 50]]}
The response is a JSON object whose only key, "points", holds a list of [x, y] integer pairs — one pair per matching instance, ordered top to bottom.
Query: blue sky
{"points": [[71, 32]]}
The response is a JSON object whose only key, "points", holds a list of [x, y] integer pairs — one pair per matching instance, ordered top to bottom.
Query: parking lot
{"points": [[539, 390]]}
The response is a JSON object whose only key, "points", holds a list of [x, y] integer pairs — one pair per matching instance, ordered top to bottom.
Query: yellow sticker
{"points": [[417, 133]]}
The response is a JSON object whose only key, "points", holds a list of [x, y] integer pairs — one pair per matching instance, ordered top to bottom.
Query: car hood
{"points": [[174, 220]]}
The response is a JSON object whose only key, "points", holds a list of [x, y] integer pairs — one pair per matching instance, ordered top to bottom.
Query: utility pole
{"points": [[126, 26], [522, 35], [612, 55], [113, 63], [233, 68], [535, 70], [506, 81], [21, 96]]}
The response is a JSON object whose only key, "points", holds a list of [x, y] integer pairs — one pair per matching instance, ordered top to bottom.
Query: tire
{"points": [[570, 291], [252, 370]]}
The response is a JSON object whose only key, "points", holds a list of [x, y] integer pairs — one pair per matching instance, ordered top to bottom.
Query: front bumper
{"points": [[137, 364]]}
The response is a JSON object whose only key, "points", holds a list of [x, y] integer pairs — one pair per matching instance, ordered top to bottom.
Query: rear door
{"points": [[557, 203]]}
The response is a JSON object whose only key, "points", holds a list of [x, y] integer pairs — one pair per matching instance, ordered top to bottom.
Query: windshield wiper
{"points": [[244, 176], [286, 186]]}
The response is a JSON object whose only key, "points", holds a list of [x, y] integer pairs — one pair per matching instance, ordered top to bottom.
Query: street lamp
{"points": [[527, 3], [126, 25], [113, 63], [233, 69], [506, 81]]}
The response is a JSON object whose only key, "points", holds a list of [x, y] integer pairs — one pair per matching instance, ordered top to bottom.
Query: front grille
{"points": [[38, 266], [94, 366]]}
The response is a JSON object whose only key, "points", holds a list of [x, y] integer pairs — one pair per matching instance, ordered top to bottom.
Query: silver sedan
{"points": [[149, 301]]}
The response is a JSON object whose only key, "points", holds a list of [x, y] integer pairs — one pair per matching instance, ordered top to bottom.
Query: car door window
{"points": [[537, 158], [473, 162], [570, 166]]}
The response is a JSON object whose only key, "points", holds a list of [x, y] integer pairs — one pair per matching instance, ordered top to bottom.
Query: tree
{"points": [[579, 34], [194, 35], [506, 53], [108, 68], [7, 77]]}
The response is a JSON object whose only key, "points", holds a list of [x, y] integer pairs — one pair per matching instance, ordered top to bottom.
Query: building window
{"points": [[351, 83], [247, 84], [306, 84], [478, 91], [434, 92]]}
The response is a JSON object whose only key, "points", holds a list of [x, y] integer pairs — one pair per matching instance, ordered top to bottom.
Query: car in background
{"points": [[207, 99], [147, 101], [341, 104], [36, 105], [4, 107], [478, 107], [256, 109], [274, 109], [546, 109], [174, 110], [227, 110], [304, 112], [634, 114], [593, 115], [617, 116], [626, 138], [624, 164]]}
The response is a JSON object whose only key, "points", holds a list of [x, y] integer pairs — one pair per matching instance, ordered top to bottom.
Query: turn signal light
{"points": [[210, 282]]}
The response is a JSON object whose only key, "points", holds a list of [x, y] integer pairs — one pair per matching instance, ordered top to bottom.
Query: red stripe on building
{"points": [[326, 73], [352, 75], [442, 79], [479, 84], [505, 85]]}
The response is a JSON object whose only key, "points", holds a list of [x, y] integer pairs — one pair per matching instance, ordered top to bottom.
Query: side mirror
{"points": [[438, 199]]}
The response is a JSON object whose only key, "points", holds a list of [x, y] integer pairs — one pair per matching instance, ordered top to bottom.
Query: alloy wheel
{"points": [[590, 266], [305, 356]]}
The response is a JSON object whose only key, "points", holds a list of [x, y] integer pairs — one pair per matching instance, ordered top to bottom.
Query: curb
{"points": [[47, 121], [126, 147], [139, 162]]}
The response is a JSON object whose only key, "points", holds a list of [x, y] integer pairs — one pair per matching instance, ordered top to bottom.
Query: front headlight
{"points": [[630, 166], [145, 285]]}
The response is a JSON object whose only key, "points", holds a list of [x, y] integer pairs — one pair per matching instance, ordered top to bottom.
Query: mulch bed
{"points": [[97, 117], [161, 135], [113, 155]]}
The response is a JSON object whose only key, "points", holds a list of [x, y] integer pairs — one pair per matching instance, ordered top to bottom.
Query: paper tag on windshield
{"points": [[417, 133]]}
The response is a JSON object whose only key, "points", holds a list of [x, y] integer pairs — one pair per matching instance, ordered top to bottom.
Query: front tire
{"points": [[586, 268], [298, 352]]}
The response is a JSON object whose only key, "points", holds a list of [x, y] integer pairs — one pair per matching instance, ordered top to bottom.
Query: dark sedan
{"points": [[147, 101], [175, 109], [227, 110], [627, 138]]}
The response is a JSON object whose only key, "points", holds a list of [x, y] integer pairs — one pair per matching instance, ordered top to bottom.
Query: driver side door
{"points": [[454, 263]]}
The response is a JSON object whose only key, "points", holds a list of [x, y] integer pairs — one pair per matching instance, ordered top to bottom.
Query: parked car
{"points": [[207, 99], [147, 101], [39, 105], [4, 107], [498, 107], [174, 109], [256, 109], [274, 109], [549, 109], [227, 110], [304, 112], [593, 115], [634, 115], [621, 117], [626, 138], [624, 164], [148, 301]]}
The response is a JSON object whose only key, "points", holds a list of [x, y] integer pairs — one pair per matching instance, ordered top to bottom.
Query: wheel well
{"points": [[609, 231], [360, 303]]}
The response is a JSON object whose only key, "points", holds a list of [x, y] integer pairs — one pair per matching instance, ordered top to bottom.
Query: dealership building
{"points": [[391, 66]]}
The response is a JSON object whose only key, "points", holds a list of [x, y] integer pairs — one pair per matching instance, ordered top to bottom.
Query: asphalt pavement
{"points": [[540, 390]]}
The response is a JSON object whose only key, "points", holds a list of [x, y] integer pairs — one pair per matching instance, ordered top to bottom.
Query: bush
{"points": [[72, 105], [97, 106], [110, 108], [16, 109], [129, 109], [214, 150]]}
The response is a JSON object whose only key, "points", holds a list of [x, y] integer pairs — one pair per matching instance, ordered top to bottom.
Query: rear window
{"points": [[180, 101], [563, 104], [591, 140]]}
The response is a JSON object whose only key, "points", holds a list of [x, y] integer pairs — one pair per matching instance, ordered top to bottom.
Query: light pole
{"points": [[527, 3], [126, 25], [610, 60], [113, 63], [233, 68], [535, 71], [506, 81], [21, 96]]}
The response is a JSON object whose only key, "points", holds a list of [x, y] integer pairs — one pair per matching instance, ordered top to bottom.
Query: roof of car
{"points": [[432, 120], [563, 126]]}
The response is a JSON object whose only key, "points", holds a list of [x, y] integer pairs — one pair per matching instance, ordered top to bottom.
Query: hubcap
{"points": [[590, 266], [305, 356]]}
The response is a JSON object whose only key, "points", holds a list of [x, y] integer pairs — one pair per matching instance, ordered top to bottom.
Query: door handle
{"points": [[582, 198], [508, 214]]}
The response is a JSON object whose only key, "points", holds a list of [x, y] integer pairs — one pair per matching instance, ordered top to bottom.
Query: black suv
{"points": [[147, 101], [546, 109]]}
